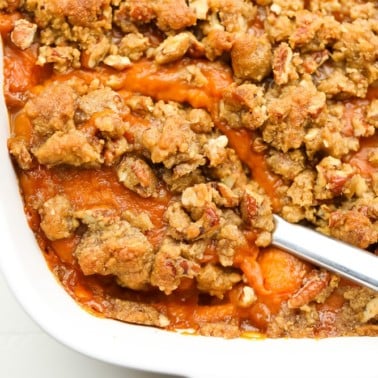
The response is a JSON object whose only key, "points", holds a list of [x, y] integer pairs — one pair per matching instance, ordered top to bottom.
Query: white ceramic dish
{"points": [[146, 348]]}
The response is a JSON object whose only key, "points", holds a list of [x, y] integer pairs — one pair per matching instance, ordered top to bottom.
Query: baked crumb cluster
{"points": [[300, 79]]}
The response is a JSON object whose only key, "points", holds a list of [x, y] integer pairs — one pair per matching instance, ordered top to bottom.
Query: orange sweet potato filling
{"points": [[90, 188], [274, 274]]}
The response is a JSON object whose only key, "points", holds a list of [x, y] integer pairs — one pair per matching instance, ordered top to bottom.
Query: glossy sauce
{"points": [[361, 159]]}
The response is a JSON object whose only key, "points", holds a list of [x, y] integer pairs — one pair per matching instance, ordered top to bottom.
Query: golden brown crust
{"points": [[251, 57]]}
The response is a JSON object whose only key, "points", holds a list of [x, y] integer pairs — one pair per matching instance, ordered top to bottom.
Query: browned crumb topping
{"points": [[303, 86]]}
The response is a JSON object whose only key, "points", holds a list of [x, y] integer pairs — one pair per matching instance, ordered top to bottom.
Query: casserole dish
{"points": [[152, 142], [146, 348]]}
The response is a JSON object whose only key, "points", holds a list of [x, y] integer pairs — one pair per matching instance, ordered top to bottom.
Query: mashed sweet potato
{"points": [[154, 140]]}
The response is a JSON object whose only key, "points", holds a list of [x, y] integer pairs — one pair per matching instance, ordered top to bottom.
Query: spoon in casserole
{"points": [[350, 262]]}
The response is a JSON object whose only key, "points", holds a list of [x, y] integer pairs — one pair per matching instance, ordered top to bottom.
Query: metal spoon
{"points": [[348, 261]]}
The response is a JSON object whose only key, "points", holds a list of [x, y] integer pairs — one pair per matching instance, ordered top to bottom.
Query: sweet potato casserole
{"points": [[154, 140]]}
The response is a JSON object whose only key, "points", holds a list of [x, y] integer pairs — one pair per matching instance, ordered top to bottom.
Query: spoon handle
{"points": [[348, 261]]}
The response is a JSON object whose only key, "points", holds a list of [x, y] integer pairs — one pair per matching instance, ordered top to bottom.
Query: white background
{"points": [[28, 352]]}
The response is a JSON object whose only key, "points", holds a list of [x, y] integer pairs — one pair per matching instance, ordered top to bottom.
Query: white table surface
{"points": [[28, 352]]}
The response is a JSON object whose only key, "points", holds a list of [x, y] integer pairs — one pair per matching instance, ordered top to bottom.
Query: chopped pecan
{"points": [[23, 33], [313, 284]]}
